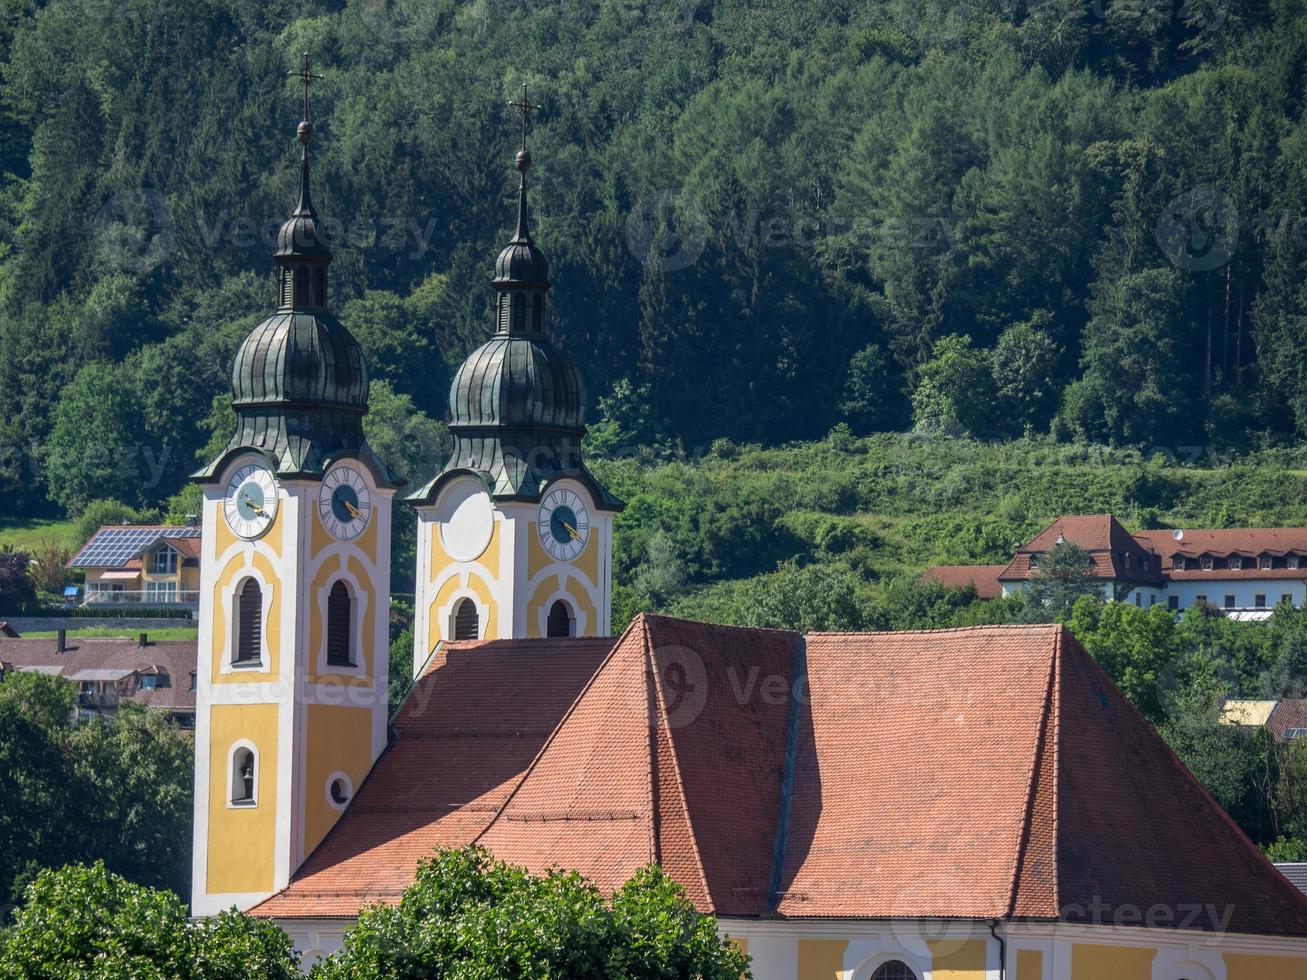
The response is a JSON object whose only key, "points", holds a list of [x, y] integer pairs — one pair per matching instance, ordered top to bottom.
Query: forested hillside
{"points": [[764, 217]]}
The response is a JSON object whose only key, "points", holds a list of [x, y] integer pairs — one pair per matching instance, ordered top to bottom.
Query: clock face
{"points": [[251, 501], [344, 503], [564, 524]]}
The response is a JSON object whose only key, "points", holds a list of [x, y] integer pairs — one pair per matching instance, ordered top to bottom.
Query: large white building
{"points": [[1245, 572]]}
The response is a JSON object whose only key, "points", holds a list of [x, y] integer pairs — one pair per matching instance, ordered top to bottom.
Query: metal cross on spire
{"points": [[307, 77], [526, 108]]}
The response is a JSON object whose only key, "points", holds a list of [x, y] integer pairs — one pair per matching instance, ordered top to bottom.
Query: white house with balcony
{"points": [[145, 565]]}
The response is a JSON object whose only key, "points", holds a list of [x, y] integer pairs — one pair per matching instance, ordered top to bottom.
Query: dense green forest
{"points": [[764, 216]]}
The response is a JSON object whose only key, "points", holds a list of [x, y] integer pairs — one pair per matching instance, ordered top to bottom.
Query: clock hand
{"points": [[255, 507], [354, 511], [571, 531]]}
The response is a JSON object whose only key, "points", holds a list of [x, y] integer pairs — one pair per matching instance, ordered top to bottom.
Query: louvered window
{"points": [[301, 286], [519, 312], [538, 313], [560, 619], [249, 623], [467, 625], [339, 631]]}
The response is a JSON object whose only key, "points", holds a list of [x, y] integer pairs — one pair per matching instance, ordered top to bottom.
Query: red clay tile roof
{"points": [[1102, 536], [1250, 543], [983, 578], [177, 659], [1289, 713], [469, 729], [977, 773]]}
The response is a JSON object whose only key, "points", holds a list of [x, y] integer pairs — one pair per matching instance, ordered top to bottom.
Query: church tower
{"points": [[515, 536], [294, 588]]}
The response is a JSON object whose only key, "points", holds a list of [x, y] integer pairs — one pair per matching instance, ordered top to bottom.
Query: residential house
{"points": [[150, 565], [1245, 572], [110, 671], [1285, 718]]}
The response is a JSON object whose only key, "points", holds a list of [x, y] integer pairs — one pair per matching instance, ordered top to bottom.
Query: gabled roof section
{"points": [[1116, 554], [469, 729], [673, 754]]}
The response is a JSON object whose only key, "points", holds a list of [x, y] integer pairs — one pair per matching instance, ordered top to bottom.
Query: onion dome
{"points": [[299, 380], [516, 404]]}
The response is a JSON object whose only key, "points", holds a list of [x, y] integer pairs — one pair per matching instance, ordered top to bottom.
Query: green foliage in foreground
{"points": [[116, 790], [469, 916], [85, 923]]}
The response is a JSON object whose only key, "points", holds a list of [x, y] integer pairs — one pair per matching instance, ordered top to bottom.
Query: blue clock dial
{"points": [[250, 500], [344, 503], [562, 524]]}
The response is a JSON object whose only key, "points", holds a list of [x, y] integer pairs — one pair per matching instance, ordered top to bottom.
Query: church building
{"points": [[973, 804]]}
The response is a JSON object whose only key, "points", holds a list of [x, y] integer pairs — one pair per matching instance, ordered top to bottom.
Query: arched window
{"points": [[301, 286], [320, 286], [504, 307], [538, 313], [560, 620], [249, 623], [467, 624], [340, 634], [244, 773], [893, 970]]}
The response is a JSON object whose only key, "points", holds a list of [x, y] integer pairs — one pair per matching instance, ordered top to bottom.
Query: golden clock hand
{"points": [[255, 507], [353, 511], [571, 530]]}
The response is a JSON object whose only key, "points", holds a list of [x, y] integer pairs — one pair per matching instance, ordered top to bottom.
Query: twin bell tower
{"points": [[514, 540]]}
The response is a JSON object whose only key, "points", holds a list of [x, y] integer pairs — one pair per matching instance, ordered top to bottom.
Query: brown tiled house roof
{"points": [[1251, 543], [1116, 554], [982, 578], [176, 660], [977, 773]]}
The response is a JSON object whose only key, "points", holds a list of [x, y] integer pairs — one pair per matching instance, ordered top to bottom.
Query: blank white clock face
{"points": [[344, 503], [250, 504], [468, 522], [563, 524]]}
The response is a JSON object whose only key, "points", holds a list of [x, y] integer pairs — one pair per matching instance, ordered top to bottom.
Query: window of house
{"points": [[301, 286], [1034, 561], [1267, 561], [1292, 561], [163, 562], [1146, 562], [1178, 563], [1236, 563], [1206, 564], [160, 591], [1139, 598], [1286, 599], [1200, 600], [1259, 600], [1229, 601], [1173, 603], [560, 620], [249, 623], [467, 624], [340, 645], [149, 682], [1295, 732], [243, 776], [894, 970]]}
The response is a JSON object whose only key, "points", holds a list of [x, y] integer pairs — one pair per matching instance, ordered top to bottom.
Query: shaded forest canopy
{"points": [[764, 217]]}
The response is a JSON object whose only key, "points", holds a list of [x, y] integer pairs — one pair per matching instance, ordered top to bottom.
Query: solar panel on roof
{"points": [[113, 546]]}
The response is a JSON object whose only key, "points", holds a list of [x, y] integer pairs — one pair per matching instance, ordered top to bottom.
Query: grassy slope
{"points": [[891, 505], [29, 534]]}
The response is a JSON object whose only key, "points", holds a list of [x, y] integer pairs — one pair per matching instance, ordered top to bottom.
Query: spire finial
{"points": [[524, 106], [305, 131]]}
